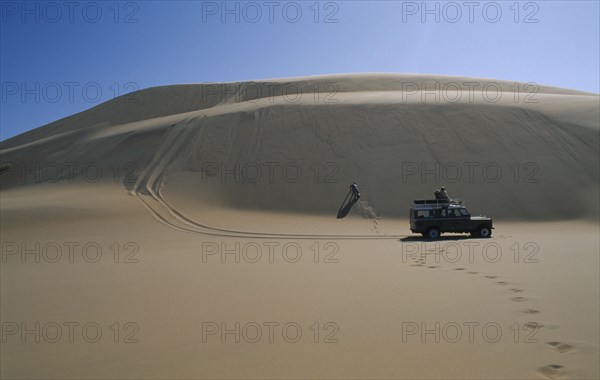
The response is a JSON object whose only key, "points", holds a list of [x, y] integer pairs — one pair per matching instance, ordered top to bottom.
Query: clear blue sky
{"points": [[59, 58]]}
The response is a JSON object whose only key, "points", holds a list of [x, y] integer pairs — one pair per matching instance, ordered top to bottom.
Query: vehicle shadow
{"points": [[441, 238]]}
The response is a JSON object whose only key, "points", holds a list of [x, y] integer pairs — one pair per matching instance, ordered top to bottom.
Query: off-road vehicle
{"points": [[434, 217]]}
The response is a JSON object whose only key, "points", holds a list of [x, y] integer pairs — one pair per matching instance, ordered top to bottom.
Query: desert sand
{"points": [[189, 231]]}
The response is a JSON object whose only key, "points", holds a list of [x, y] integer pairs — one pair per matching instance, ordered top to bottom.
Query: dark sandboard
{"points": [[346, 206]]}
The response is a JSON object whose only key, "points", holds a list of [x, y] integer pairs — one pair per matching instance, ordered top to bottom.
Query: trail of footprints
{"points": [[375, 226], [550, 371]]}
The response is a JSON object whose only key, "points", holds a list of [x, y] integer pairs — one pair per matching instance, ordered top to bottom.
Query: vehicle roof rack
{"points": [[438, 202]]}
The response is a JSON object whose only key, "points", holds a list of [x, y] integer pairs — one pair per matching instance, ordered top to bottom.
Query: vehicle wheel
{"points": [[484, 232], [433, 233]]}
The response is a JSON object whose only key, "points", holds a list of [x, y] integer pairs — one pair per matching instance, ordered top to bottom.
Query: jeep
{"points": [[434, 217]]}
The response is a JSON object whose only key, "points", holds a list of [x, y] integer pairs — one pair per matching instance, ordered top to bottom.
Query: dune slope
{"points": [[512, 150]]}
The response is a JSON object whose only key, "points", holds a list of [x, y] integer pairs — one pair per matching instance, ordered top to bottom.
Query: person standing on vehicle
{"points": [[442, 194]]}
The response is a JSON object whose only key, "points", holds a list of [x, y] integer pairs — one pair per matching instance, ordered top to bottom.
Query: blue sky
{"points": [[59, 58]]}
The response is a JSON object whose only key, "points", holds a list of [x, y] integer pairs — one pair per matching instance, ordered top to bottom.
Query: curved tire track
{"points": [[148, 190]]}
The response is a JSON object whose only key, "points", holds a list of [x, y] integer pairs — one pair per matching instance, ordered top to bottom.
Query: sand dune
{"points": [[298, 152], [215, 204]]}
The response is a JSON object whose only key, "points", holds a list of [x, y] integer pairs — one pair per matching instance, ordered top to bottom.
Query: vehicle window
{"points": [[464, 212], [423, 214], [450, 214]]}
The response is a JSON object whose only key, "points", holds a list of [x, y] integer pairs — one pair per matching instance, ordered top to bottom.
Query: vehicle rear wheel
{"points": [[484, 232], [433, 233]]}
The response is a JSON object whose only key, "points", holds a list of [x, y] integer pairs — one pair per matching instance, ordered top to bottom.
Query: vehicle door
{"points": [[462, 220]]}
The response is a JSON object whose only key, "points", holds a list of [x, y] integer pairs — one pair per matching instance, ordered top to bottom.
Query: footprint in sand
{"points": [[432, 266], [459, 268], [472, 272], [491, 277], [502, 283], [515, 290], [518, 299], [530, 311], [533, 325], [560, 347], [552, 371]]}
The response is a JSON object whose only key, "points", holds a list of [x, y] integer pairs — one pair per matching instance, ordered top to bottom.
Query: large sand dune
{"points": [[531, 154], [189, 172]]}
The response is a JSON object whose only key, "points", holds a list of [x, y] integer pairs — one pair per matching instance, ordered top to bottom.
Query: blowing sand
{"points": [[192, 234]]}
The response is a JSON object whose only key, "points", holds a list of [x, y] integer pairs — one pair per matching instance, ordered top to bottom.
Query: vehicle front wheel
{"points": [[484, 232], [432, 233]]}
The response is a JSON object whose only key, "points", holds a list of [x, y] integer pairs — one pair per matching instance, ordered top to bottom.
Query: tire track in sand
{"points": [[149, 185]]}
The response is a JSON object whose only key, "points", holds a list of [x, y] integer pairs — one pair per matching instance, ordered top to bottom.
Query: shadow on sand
{"points": [[441, 238]]}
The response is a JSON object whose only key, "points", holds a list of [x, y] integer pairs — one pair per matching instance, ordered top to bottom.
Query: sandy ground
{"points": [[192, 234], [515, 306]]}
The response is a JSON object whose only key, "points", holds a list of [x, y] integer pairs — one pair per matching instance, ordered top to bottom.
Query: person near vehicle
{"points": [[442, 194]]}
